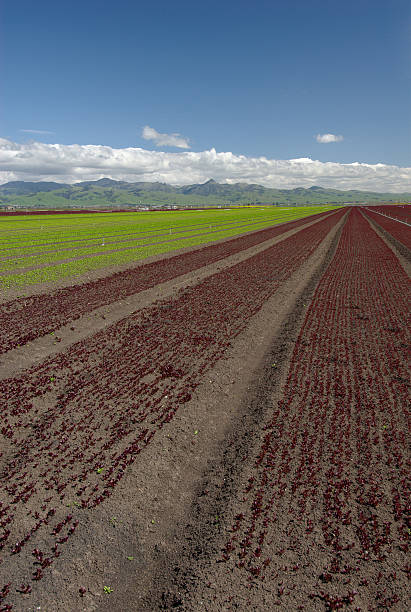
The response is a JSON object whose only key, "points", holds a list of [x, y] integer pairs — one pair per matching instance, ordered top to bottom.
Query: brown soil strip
{"points": [[34, 352]]}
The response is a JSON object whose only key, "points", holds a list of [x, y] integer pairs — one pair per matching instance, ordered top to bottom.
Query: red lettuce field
{"points": [[396, 222], [332, 476], [319, 517]]}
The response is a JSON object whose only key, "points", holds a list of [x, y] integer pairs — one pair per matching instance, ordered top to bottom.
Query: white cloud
{"points": [[36, 131], [326, 138], [165, 140], [38, 161]]}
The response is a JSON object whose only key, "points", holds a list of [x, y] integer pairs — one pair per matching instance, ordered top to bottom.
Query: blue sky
{"points": [[259, 79]]}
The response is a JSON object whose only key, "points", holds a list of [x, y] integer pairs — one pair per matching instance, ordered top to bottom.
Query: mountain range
{"points": [[119, 194]]}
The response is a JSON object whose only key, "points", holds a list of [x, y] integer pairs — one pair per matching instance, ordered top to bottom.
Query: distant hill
{"points": [[24, 188], [110, 193]]}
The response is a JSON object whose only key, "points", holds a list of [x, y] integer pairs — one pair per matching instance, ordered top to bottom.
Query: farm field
{"points": [[401, 212], [394, 221], [49, 248], [27, 318], [223, 428]]}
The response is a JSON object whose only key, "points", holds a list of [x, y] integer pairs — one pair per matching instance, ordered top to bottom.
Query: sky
{"points": [[289, 93]]}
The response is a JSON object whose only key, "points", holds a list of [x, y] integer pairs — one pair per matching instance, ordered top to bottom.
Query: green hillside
{"points": [[108, 193]]}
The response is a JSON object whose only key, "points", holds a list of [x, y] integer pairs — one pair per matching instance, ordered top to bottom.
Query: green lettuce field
{"points": [[46, 248]]}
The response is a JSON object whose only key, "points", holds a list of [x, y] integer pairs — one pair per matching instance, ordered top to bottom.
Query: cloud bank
{"points": [[326, 138], [165, 140], [37, 161]]}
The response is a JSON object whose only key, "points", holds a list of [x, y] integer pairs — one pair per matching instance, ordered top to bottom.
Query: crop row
{"points": [[399, 231], [27, 318], [76, 423], [325, 514]]}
